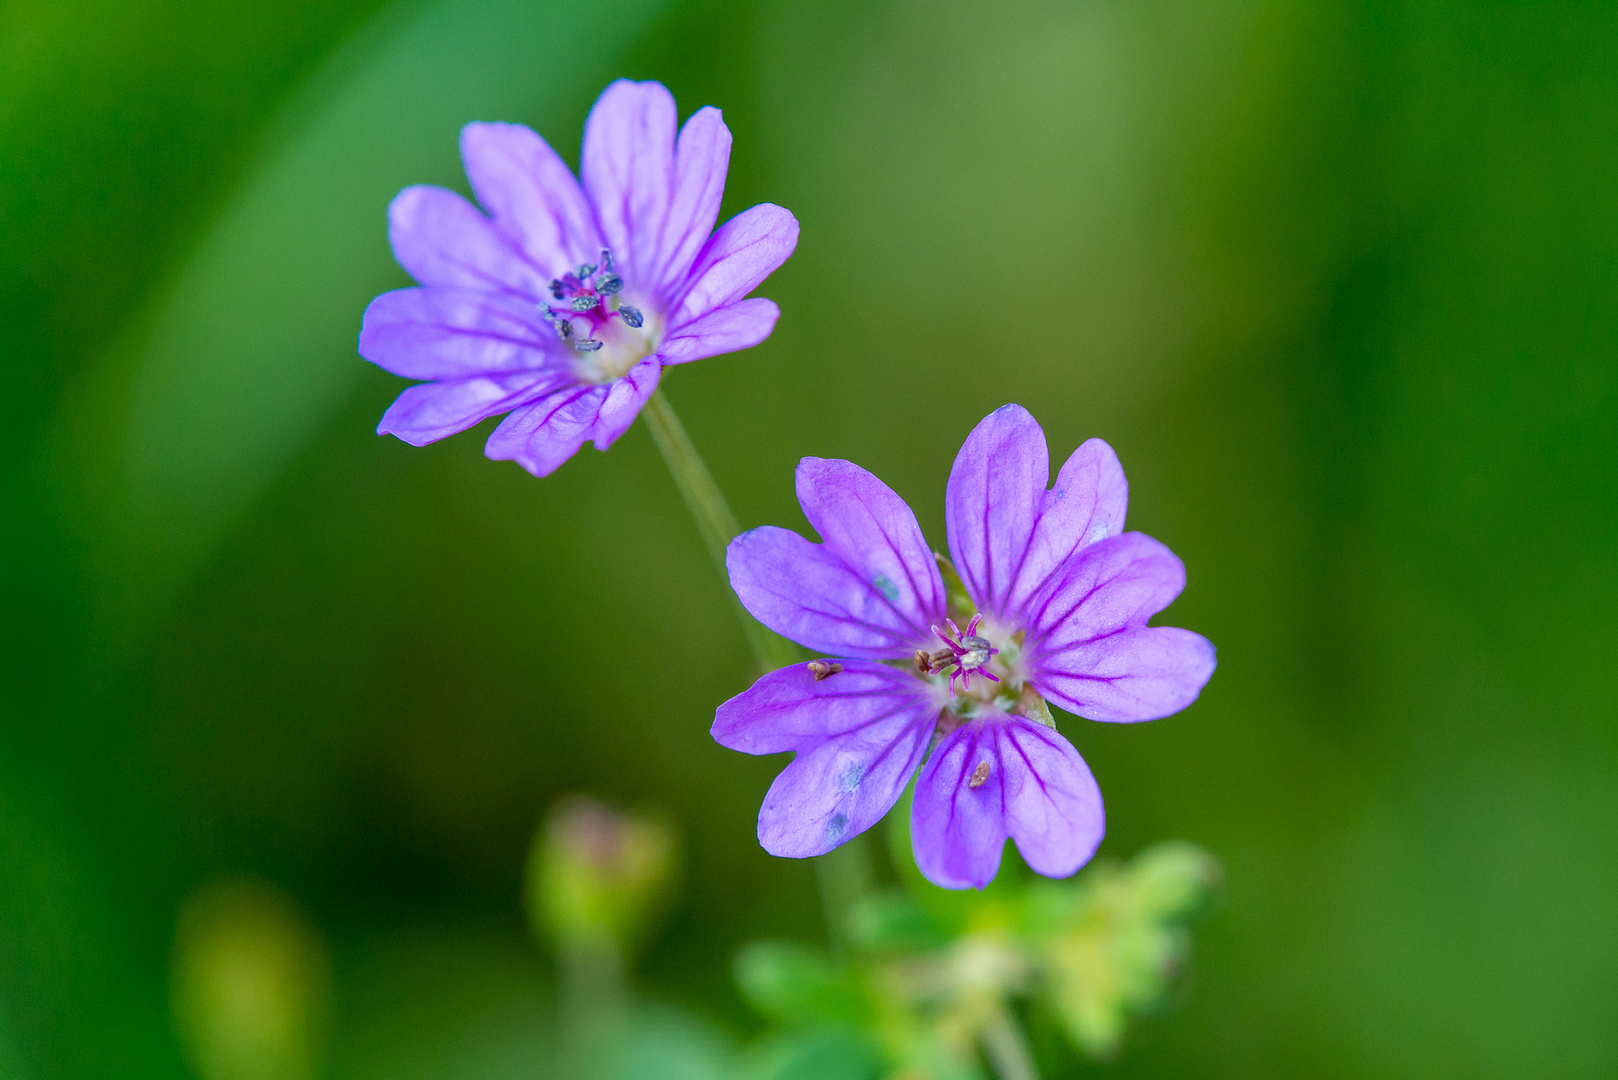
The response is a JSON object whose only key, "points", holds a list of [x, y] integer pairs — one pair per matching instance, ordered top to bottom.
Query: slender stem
{"points": [[715, 520], [844, 875], [593, 1003], [1006, 1048]]}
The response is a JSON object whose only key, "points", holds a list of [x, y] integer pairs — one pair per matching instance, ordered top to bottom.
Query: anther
{"points": [[606, 260], [583, 272], [608, 283], [556, 290], [584, 303], [632, 316], [587, 345], [923, 662], [824, 669], [980, 775]]}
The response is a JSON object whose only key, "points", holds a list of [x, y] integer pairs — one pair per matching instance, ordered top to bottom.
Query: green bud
{"points": [[597, 875], [249, 984]]}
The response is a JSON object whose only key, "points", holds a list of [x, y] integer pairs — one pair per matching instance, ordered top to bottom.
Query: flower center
{"points": [[587, 311], [963, 654]]}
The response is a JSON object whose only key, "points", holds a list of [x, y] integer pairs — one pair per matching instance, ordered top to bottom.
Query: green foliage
{"points": [[887, 922], [1113, 944], [937, 974], [796, 985], [831, 1053]]}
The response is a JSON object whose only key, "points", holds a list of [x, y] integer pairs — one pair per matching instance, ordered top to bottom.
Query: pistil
{"points": [[585, 305], [964, 652]]}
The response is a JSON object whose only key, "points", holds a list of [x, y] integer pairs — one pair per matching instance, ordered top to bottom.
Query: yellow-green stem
{"points": [[715, 521], [844, 874]]}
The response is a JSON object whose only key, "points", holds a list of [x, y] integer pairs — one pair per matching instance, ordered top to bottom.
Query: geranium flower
{"points": [[563, 303], [1056, 598]]}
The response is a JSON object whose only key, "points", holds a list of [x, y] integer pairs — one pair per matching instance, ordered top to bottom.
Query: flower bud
{"points": [[597, 875], [249, 984]]}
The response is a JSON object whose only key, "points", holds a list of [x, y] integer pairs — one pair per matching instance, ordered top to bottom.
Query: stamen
{"points": [[606, 260], [583, 272], [608, 283], [556, 290], [584, 303], [632, 316], [562, 327], [587, 345], [967, 653], [824, 669], [980, 775]]}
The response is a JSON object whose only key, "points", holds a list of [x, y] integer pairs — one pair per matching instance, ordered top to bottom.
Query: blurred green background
{"points": [[1339, 281]]}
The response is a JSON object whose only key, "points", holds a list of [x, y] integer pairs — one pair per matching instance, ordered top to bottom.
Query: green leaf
{"points": [[1173, 880], [893, 922], [795, 984], [815, 1054]]}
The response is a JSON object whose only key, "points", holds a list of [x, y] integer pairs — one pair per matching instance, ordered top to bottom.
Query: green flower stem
{"points": [[715, 521], [844, 874], [1006, 1048]]}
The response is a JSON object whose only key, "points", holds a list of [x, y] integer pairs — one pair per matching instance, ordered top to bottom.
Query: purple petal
{"points": [[701, 159], [628, 170], [531, 194], [441, 239], [737, 259], [739, 326], [455, 333], [625, 399], [432, 411], [546, 433], [996, 490], [872, 530], [1007, 533], [871, 590], [803, 591], [1090, 650], [1132, 675], [858, 734], [1034, 788], [1053, 804], [958, 831]]}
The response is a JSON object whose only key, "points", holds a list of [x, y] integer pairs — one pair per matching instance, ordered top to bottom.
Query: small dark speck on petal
{"points": [[835, 827]]}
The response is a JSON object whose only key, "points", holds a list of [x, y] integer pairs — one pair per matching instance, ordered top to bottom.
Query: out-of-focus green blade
{"points": [[187, 419]]}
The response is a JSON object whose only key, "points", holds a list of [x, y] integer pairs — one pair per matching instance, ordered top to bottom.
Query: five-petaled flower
{"points": [[563, 305], [1058, 596]]}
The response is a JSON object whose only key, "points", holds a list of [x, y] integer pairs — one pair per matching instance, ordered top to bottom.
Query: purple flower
{"points": [[562, 305], [1057, 595]]}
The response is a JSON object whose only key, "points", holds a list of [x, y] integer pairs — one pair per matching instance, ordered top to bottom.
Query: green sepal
{"points": [[1032, 706]]}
